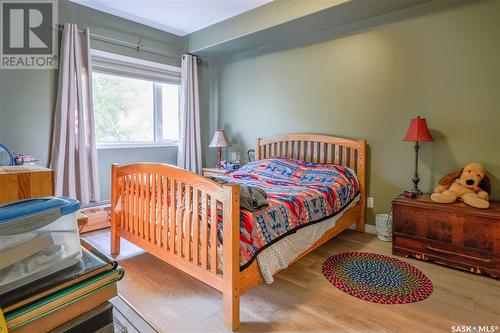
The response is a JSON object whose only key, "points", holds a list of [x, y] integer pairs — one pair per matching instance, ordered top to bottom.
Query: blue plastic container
{"points": [[6, 157], [38, 237]]}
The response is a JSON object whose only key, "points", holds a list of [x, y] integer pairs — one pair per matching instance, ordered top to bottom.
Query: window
{"points": [[136, 103]]}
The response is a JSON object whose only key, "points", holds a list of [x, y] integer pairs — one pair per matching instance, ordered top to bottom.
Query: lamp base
{"points": [[219, 158], [416, 191]]}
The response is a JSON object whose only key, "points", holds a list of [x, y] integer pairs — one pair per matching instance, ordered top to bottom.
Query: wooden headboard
{"points": [[314, 148], [319, 149]]}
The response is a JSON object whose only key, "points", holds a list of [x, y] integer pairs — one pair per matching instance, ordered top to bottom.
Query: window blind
{"points": [[117, 64]]}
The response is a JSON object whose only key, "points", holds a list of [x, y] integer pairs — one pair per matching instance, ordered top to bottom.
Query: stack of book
{"points": [[50, 302]]}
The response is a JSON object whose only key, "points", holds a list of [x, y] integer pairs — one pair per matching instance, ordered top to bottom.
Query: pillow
{"points": [[271, 168], [327, 174]]}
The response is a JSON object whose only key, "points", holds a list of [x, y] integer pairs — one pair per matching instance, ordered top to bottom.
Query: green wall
{"points": [[443, 66], [27, 97]]}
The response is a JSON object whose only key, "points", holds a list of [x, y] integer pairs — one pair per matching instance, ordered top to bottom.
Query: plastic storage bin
{"points": [[38, 237]]}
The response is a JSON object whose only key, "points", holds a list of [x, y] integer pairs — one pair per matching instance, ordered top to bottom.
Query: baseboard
{"points": [[369, 228]]}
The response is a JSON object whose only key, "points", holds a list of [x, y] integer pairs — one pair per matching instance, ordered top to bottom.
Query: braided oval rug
{"points": [[377, 278]]}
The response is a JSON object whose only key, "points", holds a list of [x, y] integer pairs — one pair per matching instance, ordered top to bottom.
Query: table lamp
{"points": [[417, 132], [219, 141]]}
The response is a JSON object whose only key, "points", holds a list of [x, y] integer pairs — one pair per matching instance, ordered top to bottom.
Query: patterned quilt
{"points": [[299, 193]]}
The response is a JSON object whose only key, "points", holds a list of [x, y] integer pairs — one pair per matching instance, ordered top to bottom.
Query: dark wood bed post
{"points": [[115, 220]]}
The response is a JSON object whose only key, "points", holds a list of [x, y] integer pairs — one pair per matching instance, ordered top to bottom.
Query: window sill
{"points": [[127, 145]]}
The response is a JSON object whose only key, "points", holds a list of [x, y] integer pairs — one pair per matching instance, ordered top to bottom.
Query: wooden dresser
{"points": [[23, 182], [455, 235]]}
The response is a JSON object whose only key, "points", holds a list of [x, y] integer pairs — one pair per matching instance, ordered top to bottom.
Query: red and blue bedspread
{"points": [[299, 193]]}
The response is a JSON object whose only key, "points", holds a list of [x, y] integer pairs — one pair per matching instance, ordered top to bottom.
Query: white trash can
{"points": [[383, 223]]}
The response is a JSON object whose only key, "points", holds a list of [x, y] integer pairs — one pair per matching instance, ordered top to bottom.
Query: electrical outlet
{"points": [[369, 202]]}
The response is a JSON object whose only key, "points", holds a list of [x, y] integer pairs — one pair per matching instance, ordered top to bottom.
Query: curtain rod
{"points": [[138, 47]]}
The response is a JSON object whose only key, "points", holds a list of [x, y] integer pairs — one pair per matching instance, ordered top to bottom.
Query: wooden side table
{"points": [[214, 172], [24, 182], [455, 235]]}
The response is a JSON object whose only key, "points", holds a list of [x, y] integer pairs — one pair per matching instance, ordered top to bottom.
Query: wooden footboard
{"points": [[173, 214]]}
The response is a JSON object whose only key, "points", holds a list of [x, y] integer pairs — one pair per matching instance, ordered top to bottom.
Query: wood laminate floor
{"points": [[301, 299]]}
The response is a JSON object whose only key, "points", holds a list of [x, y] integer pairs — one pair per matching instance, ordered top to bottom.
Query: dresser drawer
{"points": [[439, 252]]}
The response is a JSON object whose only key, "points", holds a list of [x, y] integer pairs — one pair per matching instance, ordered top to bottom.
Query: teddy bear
{"points": [[469, 184]]}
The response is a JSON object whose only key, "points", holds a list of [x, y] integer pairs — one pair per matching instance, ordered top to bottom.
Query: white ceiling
{"points": [[179, 17]]}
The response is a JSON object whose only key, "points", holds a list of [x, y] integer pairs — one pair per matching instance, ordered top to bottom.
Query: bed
{"points": [[196, 225]]}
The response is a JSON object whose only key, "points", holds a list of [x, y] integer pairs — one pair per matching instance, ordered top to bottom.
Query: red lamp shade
{"points": [[418, 131]]}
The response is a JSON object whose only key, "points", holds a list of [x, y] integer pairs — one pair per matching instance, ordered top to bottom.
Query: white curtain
{"points": [[189, 152], [74, 154]]}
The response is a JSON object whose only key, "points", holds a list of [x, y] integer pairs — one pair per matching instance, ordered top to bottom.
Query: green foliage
{"points": [[123, 108]]}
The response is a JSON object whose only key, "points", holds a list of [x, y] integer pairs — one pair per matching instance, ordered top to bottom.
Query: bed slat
{"points": [[317, 152], [321, 152], [330, 154], [337, 154], [344, 155], [151, 187], [142, 192], [147, 203], [130, 204], [136, 205], [125, 206], [173, 215], [178, 219], [164, 220], [158, 221], [187, 221], [196, 227], [204, 232], [213, 234]]}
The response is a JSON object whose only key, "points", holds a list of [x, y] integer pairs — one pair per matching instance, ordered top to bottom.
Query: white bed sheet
{"points": [[280, 254]]}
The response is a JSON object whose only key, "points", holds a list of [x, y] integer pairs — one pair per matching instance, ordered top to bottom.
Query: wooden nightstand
{"points": [[214, 172], [455, 235]]}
